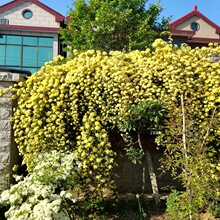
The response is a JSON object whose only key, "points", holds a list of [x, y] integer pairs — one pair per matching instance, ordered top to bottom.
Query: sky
{"points": [[174, 8]]}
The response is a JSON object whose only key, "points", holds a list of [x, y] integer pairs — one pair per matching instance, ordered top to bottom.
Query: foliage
{"points": [[113, 25], [72, 105], [143, 117], [195, 164], [45, 192], [171, 200], [214, 209]]}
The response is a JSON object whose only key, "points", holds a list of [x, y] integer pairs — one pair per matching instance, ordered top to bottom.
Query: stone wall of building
{"points": [[8, 151]]}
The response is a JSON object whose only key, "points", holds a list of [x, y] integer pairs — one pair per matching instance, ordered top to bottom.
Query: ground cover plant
{"points": [[70, 106]]}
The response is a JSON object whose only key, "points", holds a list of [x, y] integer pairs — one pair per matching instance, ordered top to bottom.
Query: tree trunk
{"points": [[152, 174], [153, 178]]}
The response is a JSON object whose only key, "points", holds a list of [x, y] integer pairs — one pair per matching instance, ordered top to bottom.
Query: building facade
{"points": [[195, 29], [29, 34]]}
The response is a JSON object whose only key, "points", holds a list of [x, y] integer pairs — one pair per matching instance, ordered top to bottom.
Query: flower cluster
{"points": [[41, 194]]}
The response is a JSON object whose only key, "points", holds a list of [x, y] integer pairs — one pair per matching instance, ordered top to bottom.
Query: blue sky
{"points": [[174, 8]]}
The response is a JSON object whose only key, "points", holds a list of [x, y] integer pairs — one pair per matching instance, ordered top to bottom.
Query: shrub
{"points": [[43, 194]]}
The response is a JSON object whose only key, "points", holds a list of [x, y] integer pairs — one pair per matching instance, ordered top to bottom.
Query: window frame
{"points": [[27, 11], [27, 44]]}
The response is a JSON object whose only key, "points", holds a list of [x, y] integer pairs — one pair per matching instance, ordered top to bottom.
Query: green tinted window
{"points": [[2, 39], [13, 39], [30, 40], [45, 41], [26, 52], [2, 55], [13, 55], [44, 55], [29, 56]]}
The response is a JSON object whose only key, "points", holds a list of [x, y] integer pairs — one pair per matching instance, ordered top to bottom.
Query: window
{"points": [[27, 13], [4, 21], [195, 26], [2, 39], [14, 39], [30, 41], [45, 41], [26, 52], [44, 54], [2, 55], [13, 55], [30, 55]]}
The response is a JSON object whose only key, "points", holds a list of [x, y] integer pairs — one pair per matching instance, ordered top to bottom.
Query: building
{"points": [[195, 29], [29, 34]]}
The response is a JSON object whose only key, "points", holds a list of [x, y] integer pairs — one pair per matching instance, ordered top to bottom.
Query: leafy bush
{"points": [[193, 160]]}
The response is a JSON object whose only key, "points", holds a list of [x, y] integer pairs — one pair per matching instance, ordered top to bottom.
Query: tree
{"points": [[113, 25], [145, 117]]}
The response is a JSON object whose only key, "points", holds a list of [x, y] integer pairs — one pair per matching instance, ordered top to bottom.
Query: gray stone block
{"points": [[5, 76], [5, 102], [5, 113], [5, 125], [5, 136], [5, 147], [5, 158]]}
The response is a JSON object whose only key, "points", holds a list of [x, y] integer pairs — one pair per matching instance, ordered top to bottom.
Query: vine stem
{"points": [[208, 130], [185, 154]]}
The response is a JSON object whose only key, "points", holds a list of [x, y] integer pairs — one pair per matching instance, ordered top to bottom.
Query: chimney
{"points": [[195, 7]]}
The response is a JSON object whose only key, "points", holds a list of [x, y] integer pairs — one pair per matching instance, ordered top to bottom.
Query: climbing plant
{"points": [[72, 105]]}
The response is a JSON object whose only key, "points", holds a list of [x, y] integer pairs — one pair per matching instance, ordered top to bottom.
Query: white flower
{"points": [[19, 178], [44, 193], [5, 195], [34, 197], [15, 198]]}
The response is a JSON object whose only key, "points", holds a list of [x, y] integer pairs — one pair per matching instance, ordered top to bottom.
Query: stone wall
{"points": [[8, 151]]}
